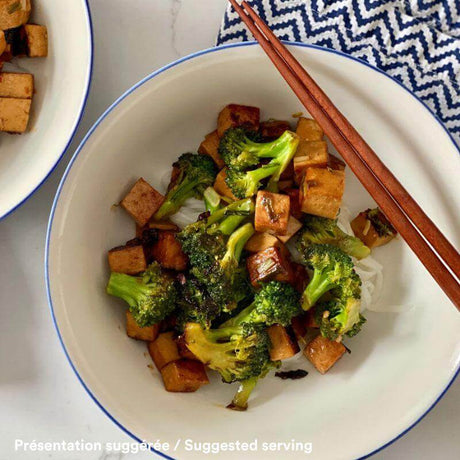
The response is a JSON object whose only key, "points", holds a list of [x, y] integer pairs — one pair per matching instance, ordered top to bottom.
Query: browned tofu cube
{"points": [[14, 13], [37, 40], [2, 43], [17, 85], [14, 114], [234, 115], [272, 129], [309, 130], [210, 146], [310, 154], [334, 162], [221, 187], [321, 192], [142, 202], [272, 212], [292, 228], [373, 228], [260, 241], [167, 251], [127, 259], [271, 263], [148, 333], [283, 346], [164, 350], [323, 353], [184, 376]]}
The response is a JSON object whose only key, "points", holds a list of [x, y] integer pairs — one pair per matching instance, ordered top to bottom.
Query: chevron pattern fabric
{"points": [[415, 41]]}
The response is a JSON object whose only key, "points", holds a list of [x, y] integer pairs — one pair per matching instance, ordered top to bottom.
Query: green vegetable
{"points": [[195, 174], [245, 182], [320, 230], [332, 270], [151, 296], [275, 303], [338, 317]]}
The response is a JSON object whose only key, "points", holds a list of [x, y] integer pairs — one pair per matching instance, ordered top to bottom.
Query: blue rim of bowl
{"points": [[89, 22], [99, 121]]}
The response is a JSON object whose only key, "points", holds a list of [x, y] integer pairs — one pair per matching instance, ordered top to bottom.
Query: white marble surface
{"points": [[40, 397]]}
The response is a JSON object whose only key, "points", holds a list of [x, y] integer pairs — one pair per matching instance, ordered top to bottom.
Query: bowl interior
{"points": [[61, 82], [400, 362]]}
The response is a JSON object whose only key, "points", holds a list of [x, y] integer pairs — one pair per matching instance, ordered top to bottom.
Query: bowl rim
{"points": [[81, 111], [101, 119]]}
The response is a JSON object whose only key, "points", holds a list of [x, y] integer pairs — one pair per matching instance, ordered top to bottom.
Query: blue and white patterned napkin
{"points": [[415, 41]]}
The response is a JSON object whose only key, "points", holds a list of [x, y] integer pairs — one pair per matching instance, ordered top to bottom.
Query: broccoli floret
{"points": [[239, 150], [194, 174], [245, 182], [320, 230], [215, 257], [332, 270], [151, 296], [275, 303], [195, 305], [338, 317], [238, 353]]}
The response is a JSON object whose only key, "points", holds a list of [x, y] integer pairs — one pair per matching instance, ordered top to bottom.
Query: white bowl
{"points": [[61, 84], [400, 363]]}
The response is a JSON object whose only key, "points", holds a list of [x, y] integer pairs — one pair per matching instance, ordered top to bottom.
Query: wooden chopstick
{"points": [[353, 148]]}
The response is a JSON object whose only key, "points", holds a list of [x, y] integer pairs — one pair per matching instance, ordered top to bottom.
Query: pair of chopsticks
{"points": [[406, 216]]}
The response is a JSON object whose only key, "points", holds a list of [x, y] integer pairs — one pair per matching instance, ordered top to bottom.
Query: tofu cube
{"points": [[14, 13], [37, 40], [17, 85], [14, 114], [234, 115], [272, 129], [309, 130], [210, 146], [310, 154], [336, 163], [221, 187], [321, 192], [294, 197], [142, 202], [272, 212], [292, 228], [373, 228], [261, 241], [167, 251], [127, 259], [271, 263], [148, 333], [283, 345], [164, 350], [323, 353], [184, 376]]}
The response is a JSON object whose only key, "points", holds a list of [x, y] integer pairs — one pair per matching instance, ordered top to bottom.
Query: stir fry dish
{"points": [[264, 269]]}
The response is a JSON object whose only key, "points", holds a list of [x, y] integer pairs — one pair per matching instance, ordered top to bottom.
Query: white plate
{"points": [[61, 84], [400, 364]]}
